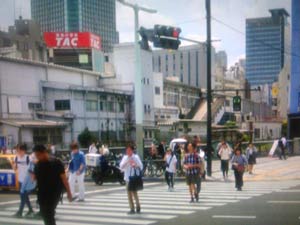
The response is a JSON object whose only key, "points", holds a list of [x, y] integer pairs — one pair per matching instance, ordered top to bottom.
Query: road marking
{"points": [[289, 191], [187, 198], [153, 201], [284, 202], [189, 207], [115, 209], [113, 214], [232, 217], [89, 219], [106, 220], [34, 222]]}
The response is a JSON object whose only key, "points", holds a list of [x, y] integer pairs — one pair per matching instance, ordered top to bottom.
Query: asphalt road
{"points": [[270, 197], [277, 208]]}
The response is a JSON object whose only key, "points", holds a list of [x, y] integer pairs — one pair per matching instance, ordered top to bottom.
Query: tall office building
{"points": [[96, 16], [266, 44], [187, 64]]}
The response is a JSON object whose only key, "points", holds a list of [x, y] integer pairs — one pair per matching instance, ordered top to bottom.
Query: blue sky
{"points": [[187, 14]]}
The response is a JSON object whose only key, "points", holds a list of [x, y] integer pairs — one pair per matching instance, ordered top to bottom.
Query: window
{"points": [[157, 90], [62, 105], [34, 106], [91, 106], [110, 107], [121, 107], [257, 133]]}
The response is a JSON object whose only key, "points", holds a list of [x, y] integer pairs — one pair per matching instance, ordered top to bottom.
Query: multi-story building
{"points": [[98, 17], [23, 40], [266, 43], [221, 59], [188, 64], [123, 78], [47, 103], [294, 109]]}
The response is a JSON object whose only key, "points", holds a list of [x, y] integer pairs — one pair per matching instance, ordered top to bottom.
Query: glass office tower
{"points": [[96, 16], [265, 47]]}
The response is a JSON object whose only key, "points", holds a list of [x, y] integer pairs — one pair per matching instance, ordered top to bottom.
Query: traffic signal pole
{"points": [[209, 95], [139, 118]]}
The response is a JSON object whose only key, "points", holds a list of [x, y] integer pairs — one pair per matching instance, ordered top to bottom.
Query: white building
{"points": [[123, 61], [44, 103]]}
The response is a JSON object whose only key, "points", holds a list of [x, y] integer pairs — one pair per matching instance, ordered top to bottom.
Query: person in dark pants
{"points": [[282, 145], [170, 161], [239, 163], [21, 165], [51, 181]]}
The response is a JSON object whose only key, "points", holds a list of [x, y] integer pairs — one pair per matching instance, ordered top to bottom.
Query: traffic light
{"points": [[166, 37], [237, 103]]}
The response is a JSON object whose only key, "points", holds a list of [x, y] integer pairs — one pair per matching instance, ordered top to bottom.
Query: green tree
{"points": [[85, 138]]}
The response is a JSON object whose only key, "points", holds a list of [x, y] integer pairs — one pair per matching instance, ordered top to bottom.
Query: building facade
{"points": [[98, 17], [23, 40], [266, 43], [188, 64], [123, 78], [54, 104]]}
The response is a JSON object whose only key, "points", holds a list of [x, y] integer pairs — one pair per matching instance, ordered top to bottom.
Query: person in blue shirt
{"points": [[239, 163], [77, 171]]}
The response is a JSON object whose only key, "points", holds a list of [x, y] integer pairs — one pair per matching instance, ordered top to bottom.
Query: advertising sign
{"points": [[72, 40], [7, 179]]}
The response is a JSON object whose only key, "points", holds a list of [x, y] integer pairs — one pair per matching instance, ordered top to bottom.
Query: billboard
{"points": [[72, 40]]}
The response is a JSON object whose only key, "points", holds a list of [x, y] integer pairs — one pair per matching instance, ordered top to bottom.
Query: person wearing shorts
{"points": [[192, 167]]}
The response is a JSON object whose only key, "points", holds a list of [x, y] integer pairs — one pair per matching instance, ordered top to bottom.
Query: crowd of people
{"points": [[42, 171]]}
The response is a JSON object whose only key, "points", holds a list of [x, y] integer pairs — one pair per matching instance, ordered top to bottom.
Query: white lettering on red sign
{"points": [[66, 40], [95, 41]]}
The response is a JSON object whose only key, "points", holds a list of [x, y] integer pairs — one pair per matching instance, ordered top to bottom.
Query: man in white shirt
{"points": [[171, 162], [129, 164], [21, 165]]}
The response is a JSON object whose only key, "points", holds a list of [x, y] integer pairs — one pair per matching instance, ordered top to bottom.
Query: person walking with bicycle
{"points": [[170, 162]]}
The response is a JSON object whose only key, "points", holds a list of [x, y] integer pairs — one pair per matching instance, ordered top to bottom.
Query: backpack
{"points": [[280, 143], [27, 161]]}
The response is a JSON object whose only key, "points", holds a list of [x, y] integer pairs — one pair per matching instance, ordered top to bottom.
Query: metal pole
{"points": [[209, 98], [139, 135]]}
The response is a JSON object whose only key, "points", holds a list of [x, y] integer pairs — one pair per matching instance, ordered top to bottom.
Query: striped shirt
{"points": [[192, 158]]}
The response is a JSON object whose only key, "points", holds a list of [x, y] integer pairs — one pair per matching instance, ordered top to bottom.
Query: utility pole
{"points": [[208, 80], [139, 130]]}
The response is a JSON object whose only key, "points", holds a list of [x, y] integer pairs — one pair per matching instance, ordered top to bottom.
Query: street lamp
{"points": [[138, 77]]}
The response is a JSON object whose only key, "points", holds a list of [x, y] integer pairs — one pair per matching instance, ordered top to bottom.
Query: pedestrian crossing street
{"points": [[157, 204]]}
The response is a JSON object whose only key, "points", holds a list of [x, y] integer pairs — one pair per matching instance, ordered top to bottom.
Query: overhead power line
{"points": [[253, 38]]}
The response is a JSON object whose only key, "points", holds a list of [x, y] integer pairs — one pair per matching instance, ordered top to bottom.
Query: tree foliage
{"points": [[85, 138]]}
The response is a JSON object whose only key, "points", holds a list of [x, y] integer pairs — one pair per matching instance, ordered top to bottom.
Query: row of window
{"points": [[92, 106]]}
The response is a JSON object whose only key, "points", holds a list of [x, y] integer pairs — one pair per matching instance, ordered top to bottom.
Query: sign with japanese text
{"points": [[72, 40]]}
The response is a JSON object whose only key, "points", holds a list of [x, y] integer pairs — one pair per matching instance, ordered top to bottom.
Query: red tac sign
{"points": [[72, 40]]}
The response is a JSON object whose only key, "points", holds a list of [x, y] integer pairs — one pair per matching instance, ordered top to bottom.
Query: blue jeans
{"points": [[24, 200]]}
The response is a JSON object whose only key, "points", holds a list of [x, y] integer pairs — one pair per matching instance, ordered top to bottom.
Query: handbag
{"points": [[136, 181]]}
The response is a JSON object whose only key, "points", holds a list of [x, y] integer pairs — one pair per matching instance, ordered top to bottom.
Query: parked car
{"points": [[8, 176]]}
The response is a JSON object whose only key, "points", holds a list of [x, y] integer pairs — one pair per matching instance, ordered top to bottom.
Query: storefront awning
{"points": [[33, 123]]}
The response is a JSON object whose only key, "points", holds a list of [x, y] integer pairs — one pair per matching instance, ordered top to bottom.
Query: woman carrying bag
{"points": [[251, 157], [239, 163], [132, 167]]}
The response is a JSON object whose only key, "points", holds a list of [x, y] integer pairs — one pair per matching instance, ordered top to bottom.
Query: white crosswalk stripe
{"points": [[157, 204]]}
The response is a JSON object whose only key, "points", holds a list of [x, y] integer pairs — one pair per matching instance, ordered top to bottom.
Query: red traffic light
{"points": [[175, 33]]}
